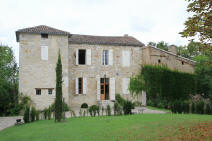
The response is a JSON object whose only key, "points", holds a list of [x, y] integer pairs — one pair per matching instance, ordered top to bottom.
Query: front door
{"points": [[104, 88]]}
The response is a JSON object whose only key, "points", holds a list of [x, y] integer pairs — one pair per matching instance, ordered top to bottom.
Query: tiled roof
{"points": [[41, 29], [105, 40]]}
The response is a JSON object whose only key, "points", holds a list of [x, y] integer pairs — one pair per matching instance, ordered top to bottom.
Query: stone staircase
{"points": [[104, 103]]}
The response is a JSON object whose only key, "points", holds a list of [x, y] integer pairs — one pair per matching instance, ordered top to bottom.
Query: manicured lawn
{"points": [[161, 109], [134, 127]]}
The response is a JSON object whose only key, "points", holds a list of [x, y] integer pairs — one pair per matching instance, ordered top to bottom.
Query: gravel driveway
{"points": [[8, 121]]}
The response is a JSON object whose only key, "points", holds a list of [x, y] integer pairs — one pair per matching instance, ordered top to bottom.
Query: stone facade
{"points": [[36, 73]]}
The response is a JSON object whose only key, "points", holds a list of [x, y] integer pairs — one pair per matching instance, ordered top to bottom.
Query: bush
{"points": [[120, 100], [84, 105], [128, 106], [65, 107], [185, 107], [200, 107], [193, 108], [103, 109], [117, 109], [208, 109], [93, 110], [108, 110], [45, 112], [49, 113], [32, 114], [26, 115], [37, 115]]}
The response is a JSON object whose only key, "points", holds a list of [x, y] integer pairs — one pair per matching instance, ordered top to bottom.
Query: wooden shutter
{"points": [[44, 52], [77, 56], [88, 57], [110, 57], [125, 58], [84, 85], [125, 85], [77, 86], [98, 87], [112, 88]]}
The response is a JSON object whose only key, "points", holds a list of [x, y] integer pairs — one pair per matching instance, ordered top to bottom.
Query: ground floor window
{"points": [[80, 85], [38, 91], [50, 91]]}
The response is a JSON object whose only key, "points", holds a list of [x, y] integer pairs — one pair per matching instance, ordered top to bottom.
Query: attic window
{"points": [[44, 36], [159, 61], [182, 63]]}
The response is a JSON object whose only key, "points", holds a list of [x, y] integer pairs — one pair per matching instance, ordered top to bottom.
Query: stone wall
{"points": [[151, 55], [96, 68], [37, 73]]}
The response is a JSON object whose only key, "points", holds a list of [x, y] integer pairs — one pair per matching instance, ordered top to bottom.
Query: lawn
{"points": [[114, 128]]}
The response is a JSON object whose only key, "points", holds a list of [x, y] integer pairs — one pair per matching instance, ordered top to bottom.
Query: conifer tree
{"points": [[58, 100]]}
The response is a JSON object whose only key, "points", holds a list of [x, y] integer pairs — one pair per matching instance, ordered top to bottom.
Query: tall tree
{"points": [[200, 23], [162, 45], [8, 81], [58, 100]]}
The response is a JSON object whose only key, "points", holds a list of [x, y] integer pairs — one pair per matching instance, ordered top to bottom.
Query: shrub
{"points": [[120, 100], [84, 105], [128, 106], [65, 107], [185, 107], [193, 107], [200, 107], [103, 109], [117, 109], [208, 109], [93, 110], [108, 110], [45, 112], [49, 113], [32, 114], [26, 115], [37, 115]]}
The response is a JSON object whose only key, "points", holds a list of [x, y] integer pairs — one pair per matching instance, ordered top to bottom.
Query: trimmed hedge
{"points": [[166, 84]]}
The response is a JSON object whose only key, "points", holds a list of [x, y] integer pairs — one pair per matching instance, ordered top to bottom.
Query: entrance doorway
{"points": [[104, 88]]}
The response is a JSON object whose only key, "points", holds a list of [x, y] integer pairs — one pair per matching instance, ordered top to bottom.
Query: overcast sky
{"points": [[146, 20]]}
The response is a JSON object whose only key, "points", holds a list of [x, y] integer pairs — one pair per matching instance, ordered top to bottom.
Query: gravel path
{"points": [[8, 121]]}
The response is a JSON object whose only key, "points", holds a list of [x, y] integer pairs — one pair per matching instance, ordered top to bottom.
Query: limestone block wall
{"points": [[152, 56], [96, 68], [37, 73]]}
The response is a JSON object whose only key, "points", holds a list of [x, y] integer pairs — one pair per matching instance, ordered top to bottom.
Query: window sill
{"points": [[79, 94]]}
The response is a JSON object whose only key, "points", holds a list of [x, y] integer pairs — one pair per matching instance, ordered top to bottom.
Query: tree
{"points": [[200, 23], [162, 45], [203, 70], [8, 82], [58, 100]]}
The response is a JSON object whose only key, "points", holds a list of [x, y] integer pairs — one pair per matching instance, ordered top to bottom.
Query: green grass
{"points": [[161, 109], [113, 128]]}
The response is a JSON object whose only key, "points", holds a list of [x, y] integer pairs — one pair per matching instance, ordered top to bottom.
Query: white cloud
{"points": [[146, 20]]}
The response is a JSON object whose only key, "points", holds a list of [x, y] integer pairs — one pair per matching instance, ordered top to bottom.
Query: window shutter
{"points": [[44, 52], [77, 56], [88, 57], [110, 57], [125, 58], [84, 85], [125, 85], [77, 86], [98, 87], [112, 88]]}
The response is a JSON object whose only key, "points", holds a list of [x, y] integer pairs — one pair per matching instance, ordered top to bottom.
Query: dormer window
{"points": [[44, 36]]}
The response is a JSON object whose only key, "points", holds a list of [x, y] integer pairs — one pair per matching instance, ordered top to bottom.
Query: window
{"points": [[44, 36], [44, 52], [82, 57], [105, 57], [126, 58], [159, 61], [80, 85], [125, 85], [38, 91], [50, 91]]}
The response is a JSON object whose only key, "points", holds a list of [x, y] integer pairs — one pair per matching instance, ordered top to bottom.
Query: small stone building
{"points": [[95, 68]]}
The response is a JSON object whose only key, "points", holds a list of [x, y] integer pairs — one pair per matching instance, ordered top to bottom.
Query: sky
{"points": [[146, 20]]}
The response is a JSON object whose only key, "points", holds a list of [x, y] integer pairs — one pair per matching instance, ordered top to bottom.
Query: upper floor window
{"points": [[44, 36], [82, 57], [105, 57], [126, 58], [38, 91]]}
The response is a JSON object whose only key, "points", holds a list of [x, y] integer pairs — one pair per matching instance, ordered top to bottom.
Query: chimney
{"points": [[172, 49]]}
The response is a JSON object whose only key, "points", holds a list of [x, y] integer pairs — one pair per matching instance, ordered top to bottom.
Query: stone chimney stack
{"points": [[172, 49]]}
